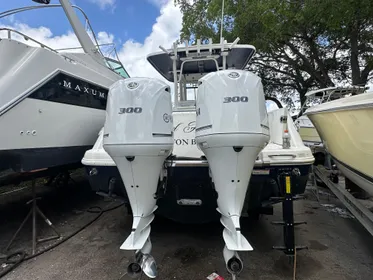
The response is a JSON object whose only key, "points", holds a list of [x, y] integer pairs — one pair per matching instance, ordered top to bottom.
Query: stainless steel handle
{"points": [[286, 155]]}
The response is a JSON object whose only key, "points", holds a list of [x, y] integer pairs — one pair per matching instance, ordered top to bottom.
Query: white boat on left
{"points": [[52, 104]]}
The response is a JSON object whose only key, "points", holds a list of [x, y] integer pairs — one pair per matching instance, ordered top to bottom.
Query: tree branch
{"points": [[277, 70], [366, 71]]}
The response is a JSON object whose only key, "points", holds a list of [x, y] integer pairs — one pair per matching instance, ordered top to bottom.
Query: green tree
{"points": [[301, 44]]}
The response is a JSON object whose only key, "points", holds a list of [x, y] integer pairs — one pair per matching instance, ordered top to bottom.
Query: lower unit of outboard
{"points": [[189, 195]]}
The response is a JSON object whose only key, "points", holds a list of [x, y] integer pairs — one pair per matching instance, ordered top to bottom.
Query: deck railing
{"points": [[29, 8], [9, 32], [9, 36]]}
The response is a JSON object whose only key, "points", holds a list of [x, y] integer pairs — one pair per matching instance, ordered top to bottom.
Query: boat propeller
{"points": [[233, 261], [143, 263]]}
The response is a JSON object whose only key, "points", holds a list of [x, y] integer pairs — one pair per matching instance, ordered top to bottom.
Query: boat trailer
{"points": [[358, 210]]}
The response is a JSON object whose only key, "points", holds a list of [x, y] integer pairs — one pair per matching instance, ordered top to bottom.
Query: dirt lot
{"points": [[339, 248]]}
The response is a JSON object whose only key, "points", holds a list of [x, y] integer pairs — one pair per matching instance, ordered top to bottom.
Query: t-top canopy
{"points": [[202, 58]]}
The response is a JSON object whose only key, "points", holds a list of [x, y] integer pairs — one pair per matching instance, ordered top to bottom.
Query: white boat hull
{"points": [[51, 117], [343, 125], [308, 132], [40, 134], [185, 145], [189, 170], [355, 176]]}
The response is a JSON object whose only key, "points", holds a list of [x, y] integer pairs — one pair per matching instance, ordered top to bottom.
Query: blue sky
{"points": [[124, 18], [137, 27]]}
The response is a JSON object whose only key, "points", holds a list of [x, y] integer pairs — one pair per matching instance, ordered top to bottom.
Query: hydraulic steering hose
{"points": [[24, 257]]}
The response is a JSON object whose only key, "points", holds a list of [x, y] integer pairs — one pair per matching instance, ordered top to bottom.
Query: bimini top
{"points": [[201, 58]]}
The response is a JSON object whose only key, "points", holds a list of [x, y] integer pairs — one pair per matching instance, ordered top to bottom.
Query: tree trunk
{"points": [[354, 60], [302, 96]]}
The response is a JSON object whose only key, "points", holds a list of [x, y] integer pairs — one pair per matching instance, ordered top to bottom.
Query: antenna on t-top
{"points": [[222, 20]]}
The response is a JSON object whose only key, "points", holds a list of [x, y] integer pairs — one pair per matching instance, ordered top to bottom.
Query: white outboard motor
{"points": [[231, 130], [138, 135]]}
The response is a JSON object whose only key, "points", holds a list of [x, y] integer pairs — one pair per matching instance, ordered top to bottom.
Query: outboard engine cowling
{"points": [[231, 130], [138, 135]]}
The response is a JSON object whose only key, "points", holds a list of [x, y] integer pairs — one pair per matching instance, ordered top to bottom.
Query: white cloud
{"points": [[158, 3], [103, 4], [11, 18], [165, 31], [44, 35], [104, 37], [133, 54]]}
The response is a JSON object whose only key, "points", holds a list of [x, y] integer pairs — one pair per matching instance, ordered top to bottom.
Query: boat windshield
{"points": [[117, 67]]}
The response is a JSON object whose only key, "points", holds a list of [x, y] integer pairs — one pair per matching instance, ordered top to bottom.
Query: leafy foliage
{"points": [[301, 44]]}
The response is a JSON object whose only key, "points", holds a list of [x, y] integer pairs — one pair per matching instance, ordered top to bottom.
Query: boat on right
{"points": [[344, 125]]}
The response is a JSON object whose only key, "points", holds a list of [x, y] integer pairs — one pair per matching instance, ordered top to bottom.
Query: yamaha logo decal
{"points": [[233, 75], [132, 85], [167, 117]]}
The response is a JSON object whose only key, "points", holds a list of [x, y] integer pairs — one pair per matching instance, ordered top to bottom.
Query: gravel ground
{"points": [[339, 247]]}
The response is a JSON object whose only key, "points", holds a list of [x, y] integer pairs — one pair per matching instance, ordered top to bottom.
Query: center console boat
{"points": [[223, 157]]}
